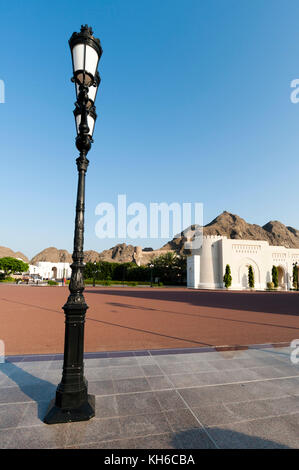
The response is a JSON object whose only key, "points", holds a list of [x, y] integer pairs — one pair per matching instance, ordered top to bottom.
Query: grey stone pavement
{"points": [[202, 400]]}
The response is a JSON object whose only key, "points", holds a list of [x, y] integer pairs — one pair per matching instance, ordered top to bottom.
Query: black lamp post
{"points": [[151, 267], [95, 273], [72, 402]]}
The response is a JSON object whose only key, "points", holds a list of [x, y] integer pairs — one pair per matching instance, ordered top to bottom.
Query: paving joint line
{"points": [[240, 382], [181, 387], [251, 401], [196, 418], [254, 419]]}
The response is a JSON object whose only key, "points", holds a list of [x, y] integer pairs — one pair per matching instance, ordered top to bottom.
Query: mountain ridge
{"points": [[225, 224], [234, 227]]}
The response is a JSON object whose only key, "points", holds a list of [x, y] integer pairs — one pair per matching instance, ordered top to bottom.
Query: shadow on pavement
{"points": [[264, 302], [200, 315], [154, 333], [39, 390], [222, 439]]}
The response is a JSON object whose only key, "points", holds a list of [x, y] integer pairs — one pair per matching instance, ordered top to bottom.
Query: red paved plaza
{"points": [[121, 318]]}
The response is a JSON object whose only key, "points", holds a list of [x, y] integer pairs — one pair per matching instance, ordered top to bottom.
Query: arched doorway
{"points": [[54, 273], [243, 273], [281, 277]]}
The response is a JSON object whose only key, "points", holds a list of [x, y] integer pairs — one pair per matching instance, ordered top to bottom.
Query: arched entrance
{"points": [[54, 273], [243, 273], [281, 277]]}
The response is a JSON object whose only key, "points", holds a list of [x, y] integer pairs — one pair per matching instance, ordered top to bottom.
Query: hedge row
{"points": [[115, 282]]}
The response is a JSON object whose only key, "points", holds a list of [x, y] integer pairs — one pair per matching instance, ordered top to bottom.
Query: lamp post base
{"points": [[57, 415]]}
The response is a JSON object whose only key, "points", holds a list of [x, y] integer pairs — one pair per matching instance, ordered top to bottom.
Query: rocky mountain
{"points": [[234, 227], [279, 234], [178, 242], [4, 252], [121, 253], [53, 255], [90, 256]]}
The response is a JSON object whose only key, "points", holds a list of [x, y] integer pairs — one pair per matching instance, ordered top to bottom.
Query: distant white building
{"points": [[48, 270], [205, 270]]}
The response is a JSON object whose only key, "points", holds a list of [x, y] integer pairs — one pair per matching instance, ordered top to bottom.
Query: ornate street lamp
{"points": [[151, 267], [95, 272], [72, 402]]}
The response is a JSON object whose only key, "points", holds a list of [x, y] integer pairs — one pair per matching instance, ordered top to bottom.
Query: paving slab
{"points": [[152, 401], [270, 433], [157, 441]]}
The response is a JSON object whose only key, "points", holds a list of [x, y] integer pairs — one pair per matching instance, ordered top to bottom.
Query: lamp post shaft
{"points": [[75, 307], [72, 402]]}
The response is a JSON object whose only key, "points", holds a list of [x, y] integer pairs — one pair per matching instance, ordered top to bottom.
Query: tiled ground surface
{"points": [[236, 399]]}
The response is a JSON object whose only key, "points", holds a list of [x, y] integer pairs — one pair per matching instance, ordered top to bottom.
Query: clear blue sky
{"points": [[194, 106]]}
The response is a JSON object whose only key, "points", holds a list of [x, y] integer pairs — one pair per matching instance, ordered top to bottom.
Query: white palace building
{"points": [[205, 269], [48, 270]]}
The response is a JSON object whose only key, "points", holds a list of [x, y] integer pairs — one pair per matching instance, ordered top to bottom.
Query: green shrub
{"points": [[169, 268], [102, 270], [275, 276], [295, 276], [250, 277], [227, 278], [8, 279], [108, 282], [52, 283], [270, 285]]}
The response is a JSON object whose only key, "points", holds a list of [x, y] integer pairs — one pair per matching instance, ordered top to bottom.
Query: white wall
{"points": [[240, 254], [211, 262], [207, 269], [193, 271]]}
